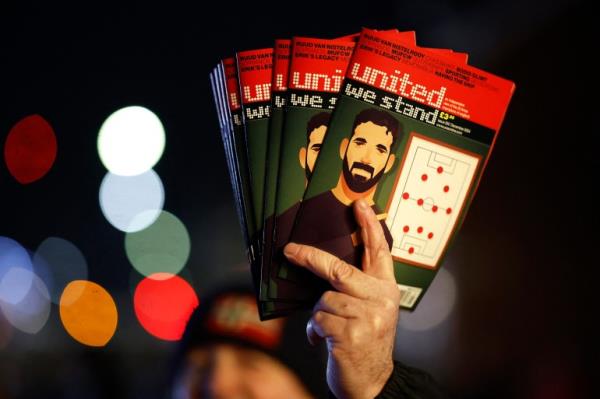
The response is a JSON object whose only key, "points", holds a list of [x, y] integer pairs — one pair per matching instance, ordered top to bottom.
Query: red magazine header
{"points": [[411, 37], [281, 64], [319, 64], [255, 70], [407, 71], [233, 88]]}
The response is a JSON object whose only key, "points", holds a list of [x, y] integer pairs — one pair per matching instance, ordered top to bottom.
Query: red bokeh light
{"points": [[30, 149], [163, 304]]}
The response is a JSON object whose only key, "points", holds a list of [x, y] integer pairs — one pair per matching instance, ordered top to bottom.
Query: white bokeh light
{"points": [[131, 141], [131, 203], [14, 285], [435, 307], [31, 313]]}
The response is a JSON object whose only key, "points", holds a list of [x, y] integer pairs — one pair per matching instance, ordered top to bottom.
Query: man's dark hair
{"points": [[380, 118], [318, 120]]}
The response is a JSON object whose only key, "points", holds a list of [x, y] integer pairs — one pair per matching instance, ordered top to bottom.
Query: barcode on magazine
{"points": [[409, 295]]}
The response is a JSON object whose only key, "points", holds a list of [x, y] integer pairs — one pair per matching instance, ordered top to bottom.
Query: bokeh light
{"points": [[131, 141], [30, 149], [122, 198], [163, 247], [58, 262], [135, 278], [14, 285], [163, 304], [436, 305], [31, 313], [88, 313]]}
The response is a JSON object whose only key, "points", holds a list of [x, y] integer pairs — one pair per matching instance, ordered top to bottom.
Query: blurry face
{"points": [[367, 156], [229, 371]]}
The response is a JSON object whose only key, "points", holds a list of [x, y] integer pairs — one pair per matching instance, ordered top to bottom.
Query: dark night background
{"points": [[522, 325]]}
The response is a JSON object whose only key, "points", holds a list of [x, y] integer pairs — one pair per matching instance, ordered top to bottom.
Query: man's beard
{"points": [[359, 183]]}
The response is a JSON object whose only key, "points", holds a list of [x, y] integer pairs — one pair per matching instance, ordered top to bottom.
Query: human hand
{"points": [[358, 321]]}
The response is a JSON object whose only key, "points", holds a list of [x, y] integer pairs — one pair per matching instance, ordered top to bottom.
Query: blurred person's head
{"points": [[227, 352]]}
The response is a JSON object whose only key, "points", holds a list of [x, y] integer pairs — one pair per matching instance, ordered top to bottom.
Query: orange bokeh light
{"points": [[88, 313]]}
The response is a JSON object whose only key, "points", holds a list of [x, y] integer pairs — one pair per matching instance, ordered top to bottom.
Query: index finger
{"points": [[377, 259], [341, 275]]}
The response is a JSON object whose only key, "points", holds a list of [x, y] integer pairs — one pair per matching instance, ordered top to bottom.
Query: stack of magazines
{"points": [[311, 125]]}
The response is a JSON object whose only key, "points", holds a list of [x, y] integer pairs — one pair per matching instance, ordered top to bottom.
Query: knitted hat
{"points": [[231, 316]]}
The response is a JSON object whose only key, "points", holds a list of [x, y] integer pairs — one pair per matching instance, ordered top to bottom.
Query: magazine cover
{"points": [[281, 61], [317, 70], [255, 71], [218, 87], [225, 87], [411, 134], [238, 152], [283, 271], [272, 286]]}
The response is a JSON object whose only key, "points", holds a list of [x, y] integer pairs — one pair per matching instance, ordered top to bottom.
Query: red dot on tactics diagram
{"points": [[440, 169], [424, 177], [446, 189], [405, 196], [420, 201], [434, 208], [449, 211], [406, 229], [420, 229], [430, 236], [411, 250]]}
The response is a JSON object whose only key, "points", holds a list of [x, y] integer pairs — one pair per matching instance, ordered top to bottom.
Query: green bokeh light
{"points": [[163, 247]]}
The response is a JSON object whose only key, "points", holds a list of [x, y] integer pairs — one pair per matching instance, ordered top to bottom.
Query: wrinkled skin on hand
{"points": [[358, 321]]}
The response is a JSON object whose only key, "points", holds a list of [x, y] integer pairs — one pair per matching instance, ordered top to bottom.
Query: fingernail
{"points": [[362, 204], [290, 249], [310, 334]]}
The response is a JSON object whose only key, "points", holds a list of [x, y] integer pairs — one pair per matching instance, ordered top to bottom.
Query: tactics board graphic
{"points": [[427, 198]]}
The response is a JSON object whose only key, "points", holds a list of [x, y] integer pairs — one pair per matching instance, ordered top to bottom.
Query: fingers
{"points": [[377, 260], [344, 277], [340, 304], [324, 325], [313, 338]]}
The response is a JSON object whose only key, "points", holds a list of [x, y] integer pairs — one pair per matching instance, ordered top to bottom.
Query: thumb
{"points": [[313, 338]]}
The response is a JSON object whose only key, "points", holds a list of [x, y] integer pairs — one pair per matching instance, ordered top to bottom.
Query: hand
{"points": [[358, 321]]}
